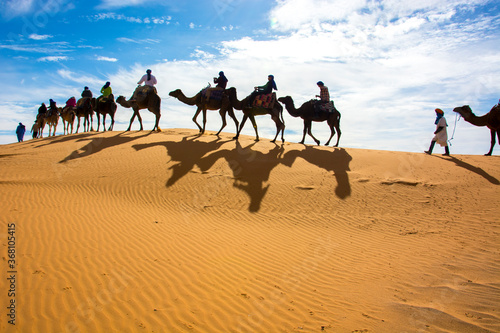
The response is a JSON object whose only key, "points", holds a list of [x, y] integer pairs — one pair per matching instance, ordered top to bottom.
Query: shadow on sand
{"points": [[98, 143], [336, 161], [250, 168], [472, 168]]}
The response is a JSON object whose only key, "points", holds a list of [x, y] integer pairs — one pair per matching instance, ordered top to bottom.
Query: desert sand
{"points": [[174, 232]]}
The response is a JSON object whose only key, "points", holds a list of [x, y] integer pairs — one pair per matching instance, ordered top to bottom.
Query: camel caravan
{"points": [[262, 101]]}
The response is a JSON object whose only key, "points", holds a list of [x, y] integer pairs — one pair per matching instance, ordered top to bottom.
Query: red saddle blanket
{"points": [[265, 101]]}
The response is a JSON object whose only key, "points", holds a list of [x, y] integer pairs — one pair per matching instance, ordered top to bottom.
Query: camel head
{"points": [[176, 93], [285, 100], [122, 101], [465, 111]]}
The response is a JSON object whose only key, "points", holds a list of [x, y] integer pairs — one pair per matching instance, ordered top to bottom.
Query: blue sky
{"points": [[388, 64]]}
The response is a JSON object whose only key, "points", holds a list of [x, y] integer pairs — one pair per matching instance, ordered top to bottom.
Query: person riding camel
{"points": [[148, 79], [221, 82], [263, 90], [86, 92], [107, 93], [324, 94], [324, 97], [71, 103], [52, 107], [42, 110]]}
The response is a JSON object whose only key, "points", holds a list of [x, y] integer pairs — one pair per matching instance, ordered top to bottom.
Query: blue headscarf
{"points": [[273, 83]]}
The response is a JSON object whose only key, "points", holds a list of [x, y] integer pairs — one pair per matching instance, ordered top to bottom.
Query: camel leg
{"points": [[198, 110], [232, 115], [223, 117], [245, 117], [204, 119], [140, 120], [98, 121], [131, 121], [91, 122], [103, 122], [112, 122], [157, 122], [254, 123], [279, 127], [309, 131], [332, 131], [304, 132], [338, 134], [493, 134]]}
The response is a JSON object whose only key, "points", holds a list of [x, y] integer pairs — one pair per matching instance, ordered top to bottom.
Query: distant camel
{"points": [[145, 97], [223, 105], [104, 107], [84, 110], [250, 112], [307, 112], [68, 117], [52, 119], [490, 120], [40, 121]]}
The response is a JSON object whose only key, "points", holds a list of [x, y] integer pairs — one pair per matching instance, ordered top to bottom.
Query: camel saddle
{"points": [[141, 93], [213, 93], [265, 101], [324, 107]]}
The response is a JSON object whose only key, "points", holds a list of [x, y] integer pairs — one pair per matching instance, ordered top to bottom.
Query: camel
{"points": [[145, 97], [202, 105], [104, 107], [84, 110], [250, 112], [306, 112], [68, 118], [52, 119], [490, 120], [40, 121]]}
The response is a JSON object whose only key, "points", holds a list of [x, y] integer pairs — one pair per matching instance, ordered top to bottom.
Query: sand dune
{"points": [[171, 232]]}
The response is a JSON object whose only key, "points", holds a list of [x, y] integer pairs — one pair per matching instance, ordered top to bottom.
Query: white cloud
{"points": [[10, 8], [39, 37], [53, 58], [101, 58]]}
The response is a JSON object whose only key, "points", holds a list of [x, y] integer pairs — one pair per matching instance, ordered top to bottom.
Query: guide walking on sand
{"points": [[20, 130], [441, 135]]}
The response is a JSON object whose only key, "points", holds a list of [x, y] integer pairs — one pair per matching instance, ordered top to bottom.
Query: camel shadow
{"points": [[65, 138], [99, 143], [188, 153], [336, 161], [472, 168], [251, 169]]}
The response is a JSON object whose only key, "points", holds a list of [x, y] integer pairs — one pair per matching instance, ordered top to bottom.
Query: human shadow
{"points": [[99, 143], [188, 153], [337, 161], [472, 168], [251, 169]]}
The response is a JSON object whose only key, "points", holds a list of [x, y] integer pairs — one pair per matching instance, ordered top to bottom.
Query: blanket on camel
{"points": [[213, 93], [265, 101], [324, 107]]}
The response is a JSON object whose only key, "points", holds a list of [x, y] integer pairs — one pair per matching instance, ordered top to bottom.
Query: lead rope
{"points": [[457, 118]]}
